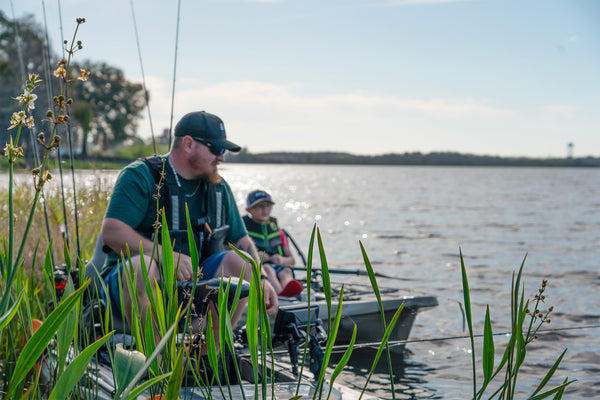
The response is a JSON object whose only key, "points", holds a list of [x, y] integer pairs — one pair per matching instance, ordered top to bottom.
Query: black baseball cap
{"points": [[205, 126], [258, 196]]}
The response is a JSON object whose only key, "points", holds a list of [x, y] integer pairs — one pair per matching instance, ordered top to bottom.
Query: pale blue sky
{"points": [[510, 78]]}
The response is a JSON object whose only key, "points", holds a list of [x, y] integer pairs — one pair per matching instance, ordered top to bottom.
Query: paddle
{"points": [[334, 270]]}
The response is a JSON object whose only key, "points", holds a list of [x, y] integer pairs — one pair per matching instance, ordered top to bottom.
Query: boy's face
{"points": [[261, 212]]}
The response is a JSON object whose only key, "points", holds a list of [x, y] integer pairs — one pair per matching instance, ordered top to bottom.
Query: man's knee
{"points": [[233, 265]]}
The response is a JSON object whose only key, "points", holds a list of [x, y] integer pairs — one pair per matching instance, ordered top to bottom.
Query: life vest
{"points": [[209, 230], [267, 237]]}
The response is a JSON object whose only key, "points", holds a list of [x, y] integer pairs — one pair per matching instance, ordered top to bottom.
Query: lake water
{"points": [[413, 221]]}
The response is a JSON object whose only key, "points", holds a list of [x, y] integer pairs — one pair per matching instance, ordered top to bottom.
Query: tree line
{"points": [[106, 108], [409, 158]]}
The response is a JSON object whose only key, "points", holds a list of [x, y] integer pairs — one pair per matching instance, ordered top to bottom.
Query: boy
{"points": [[271, 243]]}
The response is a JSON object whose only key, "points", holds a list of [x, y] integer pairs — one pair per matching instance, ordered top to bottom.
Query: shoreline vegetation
{"points": [[127, 154]]}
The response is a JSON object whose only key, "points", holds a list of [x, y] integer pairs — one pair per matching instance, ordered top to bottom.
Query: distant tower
{"points": [[570, 150]]}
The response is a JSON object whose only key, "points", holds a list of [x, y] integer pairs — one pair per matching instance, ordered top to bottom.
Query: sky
{"points": [[488, 77]]}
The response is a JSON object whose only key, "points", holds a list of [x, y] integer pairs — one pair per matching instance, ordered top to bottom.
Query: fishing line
{"points": [[174, 71], [146, 97], [33, 129], [64, 227], [396, 343]]}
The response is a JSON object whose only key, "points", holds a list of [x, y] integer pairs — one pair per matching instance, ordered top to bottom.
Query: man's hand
{"points": [[186, 269], [271, 301]]}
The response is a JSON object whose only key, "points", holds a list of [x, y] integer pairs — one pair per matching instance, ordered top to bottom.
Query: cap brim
{"points": [[226, 144], [260, 201]]}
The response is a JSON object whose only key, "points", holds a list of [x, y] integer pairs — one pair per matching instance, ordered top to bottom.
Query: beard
{"points": [[213, 177]]}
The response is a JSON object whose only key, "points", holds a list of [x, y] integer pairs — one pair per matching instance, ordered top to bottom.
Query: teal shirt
{"points": [[132, 202]]}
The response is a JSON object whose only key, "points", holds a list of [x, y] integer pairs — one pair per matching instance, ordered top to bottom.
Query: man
{"points": [[190, 177]]}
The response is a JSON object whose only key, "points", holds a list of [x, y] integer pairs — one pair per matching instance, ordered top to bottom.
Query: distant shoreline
{"points": [[333, 158], [415, 158]]}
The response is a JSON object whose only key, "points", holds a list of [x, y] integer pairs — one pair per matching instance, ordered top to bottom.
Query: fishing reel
{"points": [[61, 276], [292, 327]]}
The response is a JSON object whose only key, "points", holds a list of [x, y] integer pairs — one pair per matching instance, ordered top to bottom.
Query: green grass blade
{"points": [[192, 246], [309, 277], [372, 277], [326, 280], [373, 280], [467, 300], [6, 318], [252, 323], [40, 339], [163, 342], [330, 343], [382, 346], [211, 348], [488, 348], [343, 362], [75, 370], [549, 374], [176, 378], [139, 390], [557, 390], [559, 394]]}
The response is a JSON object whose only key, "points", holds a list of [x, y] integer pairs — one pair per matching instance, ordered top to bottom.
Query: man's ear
{"points": [[187, 143]]}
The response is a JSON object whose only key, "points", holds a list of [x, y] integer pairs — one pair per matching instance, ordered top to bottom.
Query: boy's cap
{"points": [[205, 126], [258, 196]]}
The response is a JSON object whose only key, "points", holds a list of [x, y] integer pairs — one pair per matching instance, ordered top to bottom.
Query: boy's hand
{"points": [[275, 259], [271, 301]]}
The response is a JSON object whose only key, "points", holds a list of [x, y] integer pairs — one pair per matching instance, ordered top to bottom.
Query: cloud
{"points": [[267, 98], [561, 109], [267, 116]]}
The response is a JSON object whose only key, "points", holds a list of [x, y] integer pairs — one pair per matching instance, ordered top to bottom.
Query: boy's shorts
{"points": [[279, 268]]}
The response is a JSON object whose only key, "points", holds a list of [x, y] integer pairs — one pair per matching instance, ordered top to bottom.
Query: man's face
{"points": [[204, 164], [261, 212]]}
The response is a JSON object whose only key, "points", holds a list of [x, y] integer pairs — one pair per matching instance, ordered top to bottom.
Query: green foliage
{"points": [[515, 352]]}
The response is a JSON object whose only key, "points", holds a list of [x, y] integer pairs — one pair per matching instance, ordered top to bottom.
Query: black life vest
{"points": [[209, 230], [266, 237]]}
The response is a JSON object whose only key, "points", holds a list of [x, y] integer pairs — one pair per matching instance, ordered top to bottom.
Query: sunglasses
{"points": [[217, 151]]}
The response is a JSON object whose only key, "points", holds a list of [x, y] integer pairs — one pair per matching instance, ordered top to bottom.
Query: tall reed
{"points": [[515, 352]]}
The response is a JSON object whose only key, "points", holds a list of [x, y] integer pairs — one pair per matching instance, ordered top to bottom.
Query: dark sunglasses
{"points": [[217, 151]]}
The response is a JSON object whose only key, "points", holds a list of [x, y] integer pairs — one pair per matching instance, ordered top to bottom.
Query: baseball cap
{"points": [[205, 126], [258, 196]]}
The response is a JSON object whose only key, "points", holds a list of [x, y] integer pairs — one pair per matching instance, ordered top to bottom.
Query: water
{"points": [[413, 221]]}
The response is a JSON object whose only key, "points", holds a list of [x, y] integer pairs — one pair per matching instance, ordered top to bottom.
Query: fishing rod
{"points": [[174, 71], [146, 97], [33, 129], [72, 160], [358, 272]]}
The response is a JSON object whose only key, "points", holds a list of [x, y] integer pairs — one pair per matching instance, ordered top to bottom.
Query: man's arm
{"points": [[118, 236], [246, 244]]}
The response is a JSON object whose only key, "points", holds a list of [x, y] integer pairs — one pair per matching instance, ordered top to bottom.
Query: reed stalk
{"points": [[515, 352]]}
